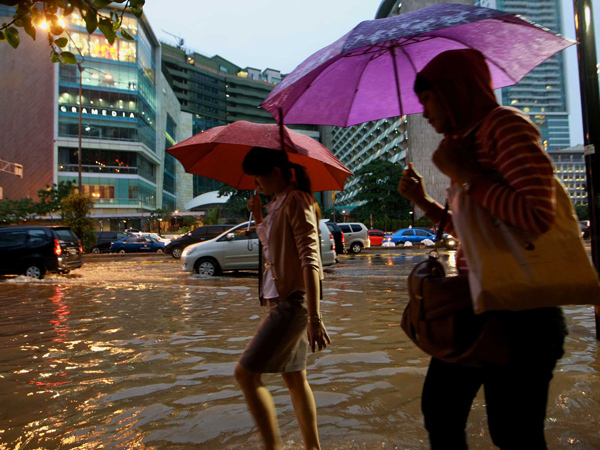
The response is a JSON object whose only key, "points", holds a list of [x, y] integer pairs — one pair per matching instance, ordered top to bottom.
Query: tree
{"points": [[49, 16], [380, 180], [52, 196], [236, 206], [76, 209], [17, 211], [583, 212], [212, 216], [158, 217]]}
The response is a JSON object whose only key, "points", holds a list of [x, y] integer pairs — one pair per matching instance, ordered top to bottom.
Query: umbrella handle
{"points": [[248, 233]]}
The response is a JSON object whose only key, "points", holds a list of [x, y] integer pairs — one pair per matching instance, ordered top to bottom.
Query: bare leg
{"points": [[261, 406], [304, 407]]}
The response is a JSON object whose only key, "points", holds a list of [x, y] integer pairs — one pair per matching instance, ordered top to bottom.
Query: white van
{"points": [[357, 236], [234, 250]]}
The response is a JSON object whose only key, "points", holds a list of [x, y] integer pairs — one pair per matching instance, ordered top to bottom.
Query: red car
{"points": [[376, 237]]}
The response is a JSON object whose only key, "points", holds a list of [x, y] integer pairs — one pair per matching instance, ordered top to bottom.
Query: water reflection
{"points": [[145, 360]]}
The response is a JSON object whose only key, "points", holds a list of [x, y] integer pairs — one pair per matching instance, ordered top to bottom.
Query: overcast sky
{"points": [[280, 34]]}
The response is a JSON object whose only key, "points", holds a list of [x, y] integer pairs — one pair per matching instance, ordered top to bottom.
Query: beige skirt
{"points": [[280, 344]]}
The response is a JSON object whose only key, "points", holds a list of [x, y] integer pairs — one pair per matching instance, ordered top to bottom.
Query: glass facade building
{"points": [[118, 107]]}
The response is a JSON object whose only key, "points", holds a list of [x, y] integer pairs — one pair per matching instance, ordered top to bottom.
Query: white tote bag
{"points": [[513, 269]]}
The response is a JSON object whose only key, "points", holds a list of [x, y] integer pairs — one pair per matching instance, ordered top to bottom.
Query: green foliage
{"points": [[32, 13], [380, 180], [52, 196], [76, 209], [236, 209], [17, 211], [583, 212], [212, 217], [188, 221], [184, 230]]}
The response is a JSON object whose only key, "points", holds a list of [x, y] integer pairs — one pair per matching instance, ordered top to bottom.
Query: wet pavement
{"points": [[131, 352]]}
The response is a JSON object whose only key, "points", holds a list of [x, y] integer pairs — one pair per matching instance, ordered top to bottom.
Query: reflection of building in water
{"points": [[569, 167]]}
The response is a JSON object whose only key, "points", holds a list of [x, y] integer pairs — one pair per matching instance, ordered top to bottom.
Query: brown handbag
{"points": [[439, 317]]}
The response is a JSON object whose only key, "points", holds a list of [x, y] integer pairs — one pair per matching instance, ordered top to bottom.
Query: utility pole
{"points": [[590, 105]]}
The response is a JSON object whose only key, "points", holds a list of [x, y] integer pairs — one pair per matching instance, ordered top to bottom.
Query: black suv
{"points": [[204, 233], [338, 237], [105, 238], [34, 250]]}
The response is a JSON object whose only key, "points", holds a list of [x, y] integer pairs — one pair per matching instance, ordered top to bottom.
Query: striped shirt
{"points": [[520, 188]]}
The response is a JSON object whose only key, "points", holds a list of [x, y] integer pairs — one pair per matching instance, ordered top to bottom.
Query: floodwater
{"points": [[138, 354]]}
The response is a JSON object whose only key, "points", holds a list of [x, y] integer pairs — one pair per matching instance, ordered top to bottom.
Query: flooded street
{"points": [[138, 354]]}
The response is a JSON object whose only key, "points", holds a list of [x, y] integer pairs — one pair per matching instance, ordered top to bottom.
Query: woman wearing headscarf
{"points": [[495, 155]]}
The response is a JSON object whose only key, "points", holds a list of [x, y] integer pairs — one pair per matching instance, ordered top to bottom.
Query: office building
{"points": [[128, 114], [569, 167]]}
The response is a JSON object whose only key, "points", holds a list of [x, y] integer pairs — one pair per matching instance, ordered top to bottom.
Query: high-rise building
{"points": [[216, 92], [542, 93], [126, 117], [569, 167]]}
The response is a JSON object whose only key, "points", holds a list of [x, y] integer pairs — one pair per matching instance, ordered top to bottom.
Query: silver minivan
{"points": [[357, 236], [236, 250]]}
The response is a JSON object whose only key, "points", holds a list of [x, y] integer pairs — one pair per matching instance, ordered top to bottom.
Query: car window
{"points": [[331, 227], [345, 228], [356, 228], [200, 231], [240, 233], [376, 233], [408, 233], [422, 233], [66, 235], [121, 235], [36, 236], [12, 237], [131, 239]]}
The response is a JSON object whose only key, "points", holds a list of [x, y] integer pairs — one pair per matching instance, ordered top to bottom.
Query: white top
{"points": [[264, 231]]}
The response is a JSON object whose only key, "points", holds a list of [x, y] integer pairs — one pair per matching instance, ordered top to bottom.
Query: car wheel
{"points": [[356, 247], [122, 250], [160, 250], [96, 251], [177, 253], [207, 266], [35, 270]]}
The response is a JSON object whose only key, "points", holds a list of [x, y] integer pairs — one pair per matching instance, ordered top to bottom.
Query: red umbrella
{"points": [[218, 152]]}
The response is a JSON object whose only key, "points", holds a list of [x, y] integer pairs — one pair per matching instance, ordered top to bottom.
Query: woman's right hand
{"points": [[412, 187], [254, 205]]}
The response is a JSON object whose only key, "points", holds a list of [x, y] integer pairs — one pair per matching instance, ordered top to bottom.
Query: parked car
{"points": [[131, 231], [206, 232], [414, 235], [418, 235], [357, 236], [156, 237], [338, 237], [376, 237], [104, 239], [131, 244], [35, 250], [235, 250]]}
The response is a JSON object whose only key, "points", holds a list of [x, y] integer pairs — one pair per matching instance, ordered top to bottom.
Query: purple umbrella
{"points": [[369, 73]]}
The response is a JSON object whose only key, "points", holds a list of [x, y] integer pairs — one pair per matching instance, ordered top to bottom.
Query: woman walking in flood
{"points": [[291, 275]]}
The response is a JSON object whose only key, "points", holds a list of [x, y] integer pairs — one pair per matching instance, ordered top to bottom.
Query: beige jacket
{"points": [[294, 243]]}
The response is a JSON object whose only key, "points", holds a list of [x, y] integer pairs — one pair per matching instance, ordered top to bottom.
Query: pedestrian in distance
{"points": [[495, 155], [291, 276]]}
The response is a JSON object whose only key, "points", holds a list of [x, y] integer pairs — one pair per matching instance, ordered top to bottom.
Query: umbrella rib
{"points": [[362, 72]]}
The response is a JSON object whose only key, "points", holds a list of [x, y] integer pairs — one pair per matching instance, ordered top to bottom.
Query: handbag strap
{"points": [[443, 220]]}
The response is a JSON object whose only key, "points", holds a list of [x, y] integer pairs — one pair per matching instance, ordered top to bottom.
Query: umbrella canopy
{"points": [[369, 73], [218, 152]]}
